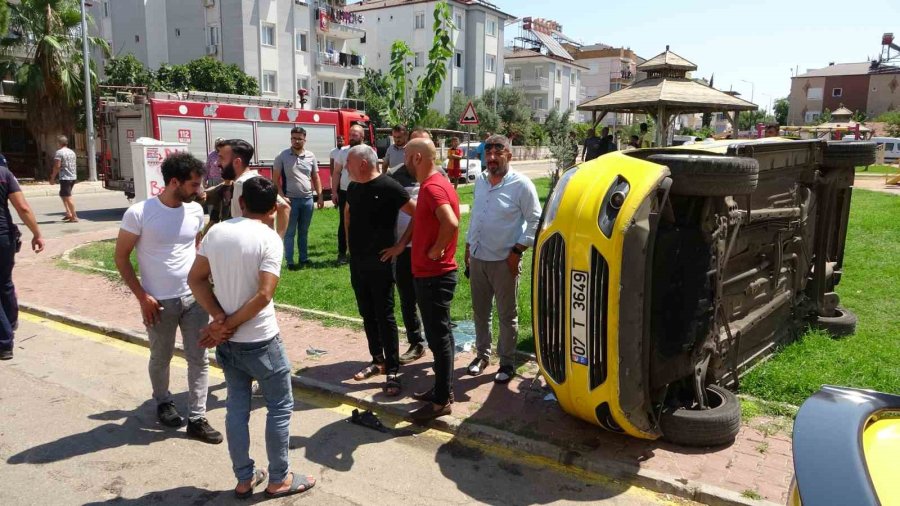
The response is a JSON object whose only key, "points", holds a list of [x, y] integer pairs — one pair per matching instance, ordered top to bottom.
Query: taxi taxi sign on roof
{"points": [[468, 116]]}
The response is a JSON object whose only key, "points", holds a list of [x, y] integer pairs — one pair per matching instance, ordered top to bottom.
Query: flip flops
{"points": [[259, 476], [296, 483]]}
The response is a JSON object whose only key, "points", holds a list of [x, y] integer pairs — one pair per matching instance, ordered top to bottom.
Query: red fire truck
{"points": [[197, 119]]}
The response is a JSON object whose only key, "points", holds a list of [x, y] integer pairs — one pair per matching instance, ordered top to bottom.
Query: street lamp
{"points": [[752, 88], [88, 101]]}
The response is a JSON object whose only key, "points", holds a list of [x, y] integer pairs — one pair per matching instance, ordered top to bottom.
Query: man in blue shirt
{"points": [[480, 150], [503, 222]]}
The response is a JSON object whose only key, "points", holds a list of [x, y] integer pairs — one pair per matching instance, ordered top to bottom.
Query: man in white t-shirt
{"points": [[234, 158], [64, 169], [164, 230], [244, 256]]}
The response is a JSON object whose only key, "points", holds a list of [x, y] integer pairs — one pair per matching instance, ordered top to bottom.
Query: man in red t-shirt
{"points": [[435, 231]]}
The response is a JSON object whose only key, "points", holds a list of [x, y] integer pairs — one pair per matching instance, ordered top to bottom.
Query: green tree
{"points": [[4, 18], [127, 71], [212, 75], [173, 78], [49, 79], [374, 88], [408, 102], [514, 111], [781, 111], [859, 116], [825, 117], [432, 119], [488, 120], [747, 120], [891, 120]]}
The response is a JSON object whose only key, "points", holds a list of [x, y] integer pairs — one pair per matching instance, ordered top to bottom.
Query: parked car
{"points": [[891, 146], [470, 165], [661, 275], [846, 443]]}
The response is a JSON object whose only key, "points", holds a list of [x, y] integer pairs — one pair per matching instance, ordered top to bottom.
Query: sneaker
{"points": [[415, 352], [6, 354], [477, 366], [505, 374], [168, 415], [200, 429]]}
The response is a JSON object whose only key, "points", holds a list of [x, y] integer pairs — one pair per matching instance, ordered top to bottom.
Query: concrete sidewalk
{"points": [[45, 189], [518, 415]]}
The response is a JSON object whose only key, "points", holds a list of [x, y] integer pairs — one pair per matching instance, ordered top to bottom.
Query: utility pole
{"points": [[88, 101]]}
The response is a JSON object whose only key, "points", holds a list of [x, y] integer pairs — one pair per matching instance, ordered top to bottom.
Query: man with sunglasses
{"points": [[297, 179], [504, 219]]}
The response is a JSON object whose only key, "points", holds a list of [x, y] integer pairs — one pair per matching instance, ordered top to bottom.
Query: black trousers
{"points": [[342, 239], [373, 283], [406, 287], [435, 295], [9, 305]]}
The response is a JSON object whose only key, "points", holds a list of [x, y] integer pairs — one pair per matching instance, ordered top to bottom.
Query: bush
{"points": [[892, 122]]}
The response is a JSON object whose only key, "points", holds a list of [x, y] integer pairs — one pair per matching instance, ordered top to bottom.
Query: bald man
{"points": [[435, 233]]}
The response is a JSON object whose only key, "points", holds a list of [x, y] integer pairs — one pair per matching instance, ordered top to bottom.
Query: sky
{"points": [[742, 42]]}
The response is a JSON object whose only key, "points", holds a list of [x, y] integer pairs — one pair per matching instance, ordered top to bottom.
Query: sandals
{"points": [[370, 370], [392, 386], [259, 476], [296, 483]]}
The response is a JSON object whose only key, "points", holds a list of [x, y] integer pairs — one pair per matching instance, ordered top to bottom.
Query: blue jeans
{"points": [[301, 216], [9, 306], [267, 363]]}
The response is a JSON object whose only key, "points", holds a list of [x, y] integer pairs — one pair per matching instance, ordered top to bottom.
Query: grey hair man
{"points": [[64, 169], [374, 200], [504, 219]]}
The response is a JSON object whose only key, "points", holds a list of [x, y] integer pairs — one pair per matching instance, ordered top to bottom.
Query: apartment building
{"points": [[478, 34], [286, 44], [540, 66], [609, 69]]}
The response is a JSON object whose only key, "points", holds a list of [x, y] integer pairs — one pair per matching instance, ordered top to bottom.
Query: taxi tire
{"points": [[843, 154], [710, 175], [843, 324], [700, 428]]}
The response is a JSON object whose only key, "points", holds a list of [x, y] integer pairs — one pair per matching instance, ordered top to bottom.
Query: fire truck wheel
{"points": [[842, 154], [710, 175], [842, 324], [715, 426]]}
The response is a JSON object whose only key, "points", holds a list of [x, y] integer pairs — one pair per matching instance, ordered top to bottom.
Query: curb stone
{"points": [[643, 478]]}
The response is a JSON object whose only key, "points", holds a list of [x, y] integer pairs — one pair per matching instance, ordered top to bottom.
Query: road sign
{"points": [[468, 116]]}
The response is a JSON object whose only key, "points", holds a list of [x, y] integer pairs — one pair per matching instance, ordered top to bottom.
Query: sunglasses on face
{"points": [[493, 147]]}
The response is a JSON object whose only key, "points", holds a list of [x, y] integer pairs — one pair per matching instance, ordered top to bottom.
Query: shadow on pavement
{"points": [[138, 427], [185, 495]]}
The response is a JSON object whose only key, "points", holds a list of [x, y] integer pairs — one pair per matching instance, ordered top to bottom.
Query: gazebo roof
{"points": [[666, 60], [677, 95], [842, 111]]}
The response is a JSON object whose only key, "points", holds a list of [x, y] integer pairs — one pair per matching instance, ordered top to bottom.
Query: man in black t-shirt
{"points": [[11, 193], [370, 216]]}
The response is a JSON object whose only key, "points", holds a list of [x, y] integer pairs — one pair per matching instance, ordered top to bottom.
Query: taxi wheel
{"points": [[842, 154], [709, 175], [715, 426]]}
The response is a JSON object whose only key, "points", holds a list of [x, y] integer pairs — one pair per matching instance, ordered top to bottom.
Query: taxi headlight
{"points": [[556, 197]]}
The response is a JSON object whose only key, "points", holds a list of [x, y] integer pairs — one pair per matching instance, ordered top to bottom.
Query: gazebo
{"points": [[666, 93]]}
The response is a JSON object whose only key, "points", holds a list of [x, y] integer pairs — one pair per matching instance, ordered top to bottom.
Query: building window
{"points": [[105, 9], [420, 21], [458, 21], [491, 28], [178, 32], [267, 34], [213, 35], [137, 39], [300, 41], [419, 59], [459, 59], [490, 63], [539, 72], [516, 73], [558, 75], [270, 81], [303, 83], [328, 89], [457, 90], [837, 92], [814, 94], [537, 103], [556, 104], [572, 105], [812, 116]]}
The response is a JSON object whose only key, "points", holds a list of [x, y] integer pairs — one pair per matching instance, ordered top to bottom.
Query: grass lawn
{"points": [[878, 169], [326, 285], [869, 287]]}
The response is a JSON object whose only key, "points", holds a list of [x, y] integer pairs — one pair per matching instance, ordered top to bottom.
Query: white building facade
{"points": [[287, 45], [477, 63]]}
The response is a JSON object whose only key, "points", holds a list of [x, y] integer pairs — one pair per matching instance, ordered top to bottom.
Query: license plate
{"points": [[578, 302]]}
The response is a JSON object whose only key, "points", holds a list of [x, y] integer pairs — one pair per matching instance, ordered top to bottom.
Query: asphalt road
{"points": [[95, 211], [77, 428]]}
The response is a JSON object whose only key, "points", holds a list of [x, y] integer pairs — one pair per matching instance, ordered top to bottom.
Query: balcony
{"points": [[337, 23], [339, 65], [535, 85], [326, 102], [540, 114]]}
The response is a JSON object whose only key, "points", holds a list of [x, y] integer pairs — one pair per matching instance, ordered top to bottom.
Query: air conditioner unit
{"points": [[209, 3], [212, 49]]}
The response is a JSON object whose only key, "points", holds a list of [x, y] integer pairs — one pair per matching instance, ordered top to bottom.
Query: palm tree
{"points": [[43, 55]]}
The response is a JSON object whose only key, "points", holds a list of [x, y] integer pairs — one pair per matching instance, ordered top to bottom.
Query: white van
{"points": [[891, 146]]}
